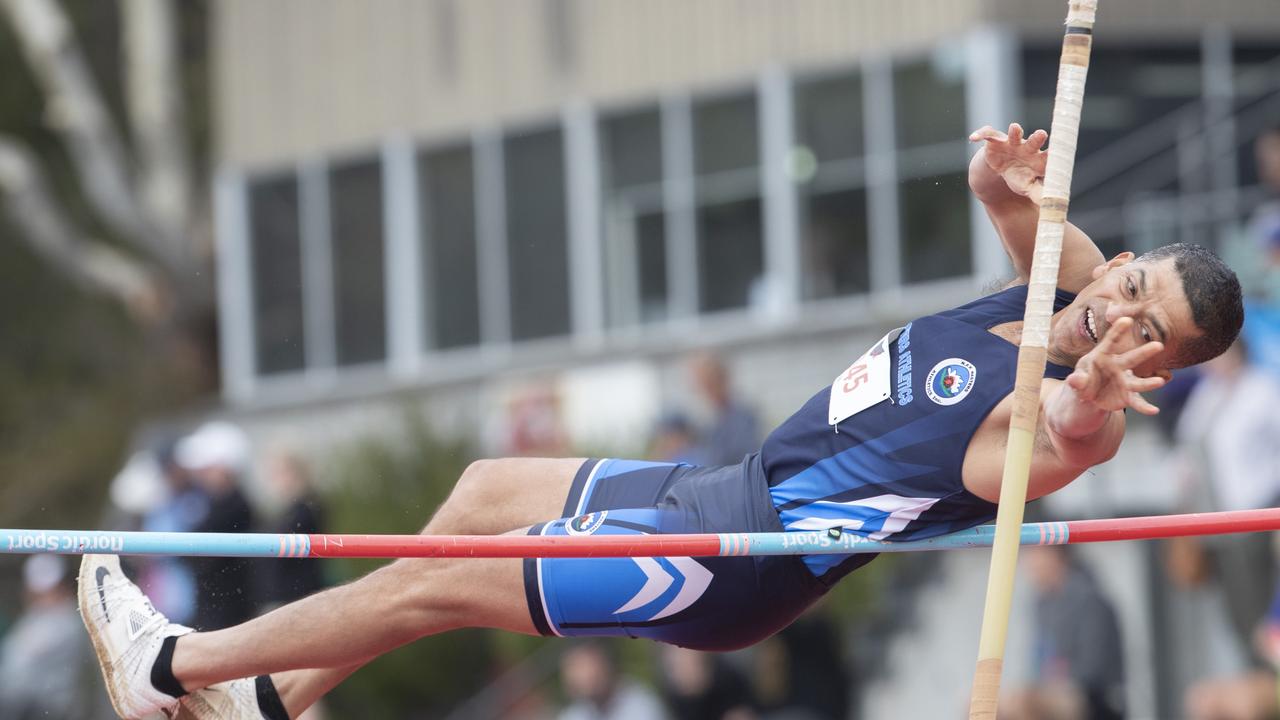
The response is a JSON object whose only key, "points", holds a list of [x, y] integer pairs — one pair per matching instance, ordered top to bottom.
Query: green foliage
{"points": [[74, 378], [392, 485], [858, 597]]}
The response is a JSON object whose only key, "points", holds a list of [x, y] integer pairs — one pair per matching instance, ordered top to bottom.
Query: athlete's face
{"points": [[1150, 292]]}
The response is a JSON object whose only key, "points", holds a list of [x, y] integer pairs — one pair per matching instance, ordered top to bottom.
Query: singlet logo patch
{"points": [[950, 381], [586, 524]]}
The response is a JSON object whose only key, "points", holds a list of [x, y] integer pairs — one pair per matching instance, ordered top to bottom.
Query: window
{"points": [[1128, 88], [1131, 89], [929, 101], [828, 165], [446, 186], [933, 205], [729, 215], [355, 216], [935, 227], [537, 232], [634, 232], [834, 243], [276, 258]]}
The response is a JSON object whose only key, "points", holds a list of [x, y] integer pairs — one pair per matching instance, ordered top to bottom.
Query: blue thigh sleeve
{"points": [[604, 596]]}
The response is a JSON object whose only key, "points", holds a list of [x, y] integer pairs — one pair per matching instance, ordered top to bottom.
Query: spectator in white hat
{"points": [[217, 456], [44, 659]]}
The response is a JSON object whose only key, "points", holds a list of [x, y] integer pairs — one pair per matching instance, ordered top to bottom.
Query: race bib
{"points": [[866, 382]]}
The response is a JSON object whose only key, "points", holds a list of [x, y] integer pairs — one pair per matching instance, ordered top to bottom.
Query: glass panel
{"points": [[1256, 67], [928, 97], [829, 117], [725, 134], [632, 149], [447, 188], [355, 202], [833, 205], [729, 215], [634, 226], [935, 227], [834, 244], [537, 248], [276, 250], [730, 253], [651, 260]]}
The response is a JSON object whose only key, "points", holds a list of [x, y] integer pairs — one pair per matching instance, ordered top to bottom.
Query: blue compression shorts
{"points": [[702, 603]]}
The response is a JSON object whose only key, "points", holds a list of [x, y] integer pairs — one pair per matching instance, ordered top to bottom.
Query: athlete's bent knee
{"points": [[466, 499]]}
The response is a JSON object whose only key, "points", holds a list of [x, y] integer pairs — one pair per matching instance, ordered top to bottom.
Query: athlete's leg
{"points": [[497, 496], [480, 504], [401, 602], [300, 689]]}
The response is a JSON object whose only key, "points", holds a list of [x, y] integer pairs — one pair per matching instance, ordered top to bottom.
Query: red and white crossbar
{"points": [[834, 541]]}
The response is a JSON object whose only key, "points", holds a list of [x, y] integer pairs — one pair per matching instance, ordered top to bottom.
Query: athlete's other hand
{"points": [[1009, 159], [1105, 376]]}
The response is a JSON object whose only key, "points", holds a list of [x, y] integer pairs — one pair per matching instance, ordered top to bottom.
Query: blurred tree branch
{"points": [[156, 109], [144, 199], [90, 263]]}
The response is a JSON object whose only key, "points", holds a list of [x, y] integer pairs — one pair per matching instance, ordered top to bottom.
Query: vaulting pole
{"points": [[1072, 71]]}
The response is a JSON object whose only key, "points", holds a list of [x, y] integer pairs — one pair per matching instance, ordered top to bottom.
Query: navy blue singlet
{"points": [[893, 470]]}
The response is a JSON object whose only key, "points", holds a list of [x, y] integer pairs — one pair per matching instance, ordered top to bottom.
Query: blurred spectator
{"points": [[1264, 226], [1255, 256], [1260, 266], [535, 426], [734, 431], [674, 440], [217, 455], [1228, 459], [290, 480], [139, 487], [156, 495], [169, 581], [1079, 658], [45, 666], [801, 674], [702, 686], [597, 690], [1253, 695]]}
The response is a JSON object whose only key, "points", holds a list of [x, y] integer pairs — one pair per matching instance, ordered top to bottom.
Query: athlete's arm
{"points": [[1007, 175], [1083, 417], [1081, 420]]}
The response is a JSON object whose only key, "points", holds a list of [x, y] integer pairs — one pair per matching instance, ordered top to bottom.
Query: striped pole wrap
{"points": [[1042, 283]]}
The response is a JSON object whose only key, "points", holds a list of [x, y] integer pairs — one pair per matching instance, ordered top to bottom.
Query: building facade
{"points": [[434, 201]]}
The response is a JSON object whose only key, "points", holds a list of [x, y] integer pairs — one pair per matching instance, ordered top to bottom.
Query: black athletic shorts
{"points": [[718, 603]]}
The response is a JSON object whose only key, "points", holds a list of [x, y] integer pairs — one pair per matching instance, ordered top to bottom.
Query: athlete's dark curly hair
{"points": [[1213, 291]]}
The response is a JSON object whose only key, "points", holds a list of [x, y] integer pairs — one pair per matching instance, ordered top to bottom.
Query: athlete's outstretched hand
{"points": [[1018, 162], [1105, 378]]}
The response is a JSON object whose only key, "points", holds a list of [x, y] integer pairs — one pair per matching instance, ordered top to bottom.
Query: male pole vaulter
{"points": [[905, 444]]}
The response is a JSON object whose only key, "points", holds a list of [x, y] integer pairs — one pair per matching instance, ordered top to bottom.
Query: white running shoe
{"points": [[127, 633], [234, 700]]}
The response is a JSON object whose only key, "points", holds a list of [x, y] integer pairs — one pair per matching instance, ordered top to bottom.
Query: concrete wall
{"points": [[307, 76]]}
